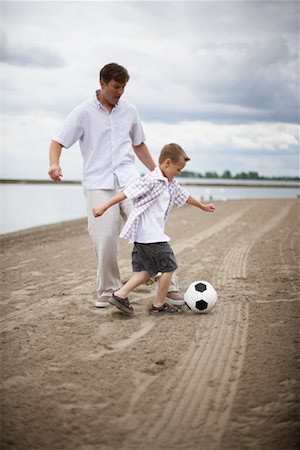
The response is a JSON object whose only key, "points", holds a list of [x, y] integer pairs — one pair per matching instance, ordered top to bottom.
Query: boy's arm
{"points": [[112, 201], [194, 202]]}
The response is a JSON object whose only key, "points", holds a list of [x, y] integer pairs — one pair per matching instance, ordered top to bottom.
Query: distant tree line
{"points": [[239, 176]]}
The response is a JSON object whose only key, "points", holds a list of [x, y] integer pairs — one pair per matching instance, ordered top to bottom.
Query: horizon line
{"points": [[197, 181]]}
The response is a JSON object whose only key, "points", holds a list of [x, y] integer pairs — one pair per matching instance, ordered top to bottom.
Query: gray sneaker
{"points": [[175, 298], [102, 302]]}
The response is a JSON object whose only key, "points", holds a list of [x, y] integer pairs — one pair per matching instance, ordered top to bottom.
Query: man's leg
{"points": [[104, 232], [174, 286]]}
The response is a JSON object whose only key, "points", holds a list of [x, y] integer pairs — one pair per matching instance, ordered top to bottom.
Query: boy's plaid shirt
{"points": [[145, 191]]}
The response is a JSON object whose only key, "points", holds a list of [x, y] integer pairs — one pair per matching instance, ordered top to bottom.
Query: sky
{"points": [[220, 78]]}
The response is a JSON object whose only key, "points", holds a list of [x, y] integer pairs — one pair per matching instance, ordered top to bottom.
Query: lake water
{"points": [[30, 205]]}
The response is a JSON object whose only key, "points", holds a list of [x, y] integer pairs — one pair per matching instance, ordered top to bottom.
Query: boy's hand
{"points": [[209, 208], [98, 211]]}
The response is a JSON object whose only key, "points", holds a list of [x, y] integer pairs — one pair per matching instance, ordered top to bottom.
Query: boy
{"points": [[153, 197]]}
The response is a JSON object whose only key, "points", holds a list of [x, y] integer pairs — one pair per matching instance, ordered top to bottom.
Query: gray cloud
{"points": [[19, 54], [228, 61], [220, 63], [261, 77]]}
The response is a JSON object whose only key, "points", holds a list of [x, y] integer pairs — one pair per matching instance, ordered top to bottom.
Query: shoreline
{"points": [[269, 183], [83, 220], [41, 229]]}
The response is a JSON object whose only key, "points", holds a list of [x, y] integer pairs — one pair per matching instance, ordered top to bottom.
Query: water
{"points": [[30, 205]]}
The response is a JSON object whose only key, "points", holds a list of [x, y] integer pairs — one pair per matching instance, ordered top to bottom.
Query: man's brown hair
{"points": [[113, 71], [173, 152]]}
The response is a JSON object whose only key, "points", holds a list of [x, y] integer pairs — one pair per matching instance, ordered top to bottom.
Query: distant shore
{"points": [[265, 183]]}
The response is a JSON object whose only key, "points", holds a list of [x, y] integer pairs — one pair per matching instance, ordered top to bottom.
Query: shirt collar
{"points": [[97, 92], [159, 175]]}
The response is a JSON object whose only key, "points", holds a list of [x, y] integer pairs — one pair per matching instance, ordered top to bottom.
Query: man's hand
{"points": [[55, 172]]}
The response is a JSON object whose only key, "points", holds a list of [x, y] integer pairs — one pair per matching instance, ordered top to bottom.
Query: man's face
{"points": [[112, 91]]}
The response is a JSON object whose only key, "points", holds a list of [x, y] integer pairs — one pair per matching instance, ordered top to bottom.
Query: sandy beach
{"points": [[79, 378]]}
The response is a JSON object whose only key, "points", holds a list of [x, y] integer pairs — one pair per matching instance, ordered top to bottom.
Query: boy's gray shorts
{"points": [[153, 258]]}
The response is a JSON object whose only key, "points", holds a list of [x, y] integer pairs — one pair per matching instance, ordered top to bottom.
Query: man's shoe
{"points": [[175, 298], [102, 302]]}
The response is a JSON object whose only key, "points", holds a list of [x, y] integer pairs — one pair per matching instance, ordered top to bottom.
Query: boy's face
{"points": [[170, 169]]}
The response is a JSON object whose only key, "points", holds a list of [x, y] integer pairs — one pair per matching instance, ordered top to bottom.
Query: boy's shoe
{"points": [[175, 298], [102, 302], [122, 304], [164, 309]]}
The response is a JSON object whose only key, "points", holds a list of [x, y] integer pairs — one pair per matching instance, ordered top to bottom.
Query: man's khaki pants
{"points": [[104, 232]]}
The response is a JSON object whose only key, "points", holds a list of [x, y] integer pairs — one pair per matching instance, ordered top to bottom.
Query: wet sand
{"points": [[79, 378]]}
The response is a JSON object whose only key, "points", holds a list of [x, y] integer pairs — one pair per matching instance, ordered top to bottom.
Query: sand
{"points": [[79, 378]]}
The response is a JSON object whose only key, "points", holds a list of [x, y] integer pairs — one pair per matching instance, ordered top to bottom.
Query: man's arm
{"points": [[142, 152], [55, 172], [112, 201], [194, 202]]}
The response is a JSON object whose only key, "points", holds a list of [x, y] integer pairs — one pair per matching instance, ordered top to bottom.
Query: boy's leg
{"points": [[136, 280], [163, 286], [173, 291], [120, 297]]}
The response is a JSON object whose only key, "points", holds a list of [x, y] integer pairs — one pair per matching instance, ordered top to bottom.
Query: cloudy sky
{"points": [[221, 78]]}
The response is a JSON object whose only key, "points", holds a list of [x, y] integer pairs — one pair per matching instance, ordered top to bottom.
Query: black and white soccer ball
{"points": [[200, 296]]}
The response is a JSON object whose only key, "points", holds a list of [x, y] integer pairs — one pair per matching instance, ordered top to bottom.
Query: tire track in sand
{"points": [[209, 232], [289, 256], [235, 261], [195, 391], [200, 392]]}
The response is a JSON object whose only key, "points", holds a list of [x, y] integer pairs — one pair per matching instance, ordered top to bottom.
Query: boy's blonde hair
{"points": [[173, 152]]}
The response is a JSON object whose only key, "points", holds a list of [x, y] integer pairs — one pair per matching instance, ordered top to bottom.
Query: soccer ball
{"points": [[200, 296]]}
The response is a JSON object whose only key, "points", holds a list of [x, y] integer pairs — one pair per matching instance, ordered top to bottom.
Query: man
{"points": [[110, 134]]}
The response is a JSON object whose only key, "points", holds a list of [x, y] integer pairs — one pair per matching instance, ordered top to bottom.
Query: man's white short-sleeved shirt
{"points": [[105, 140]]}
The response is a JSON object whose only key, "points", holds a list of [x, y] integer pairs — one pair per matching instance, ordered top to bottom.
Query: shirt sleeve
{"points": [[71, 130], [137, 132], [139, 188], [181, 195]]}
